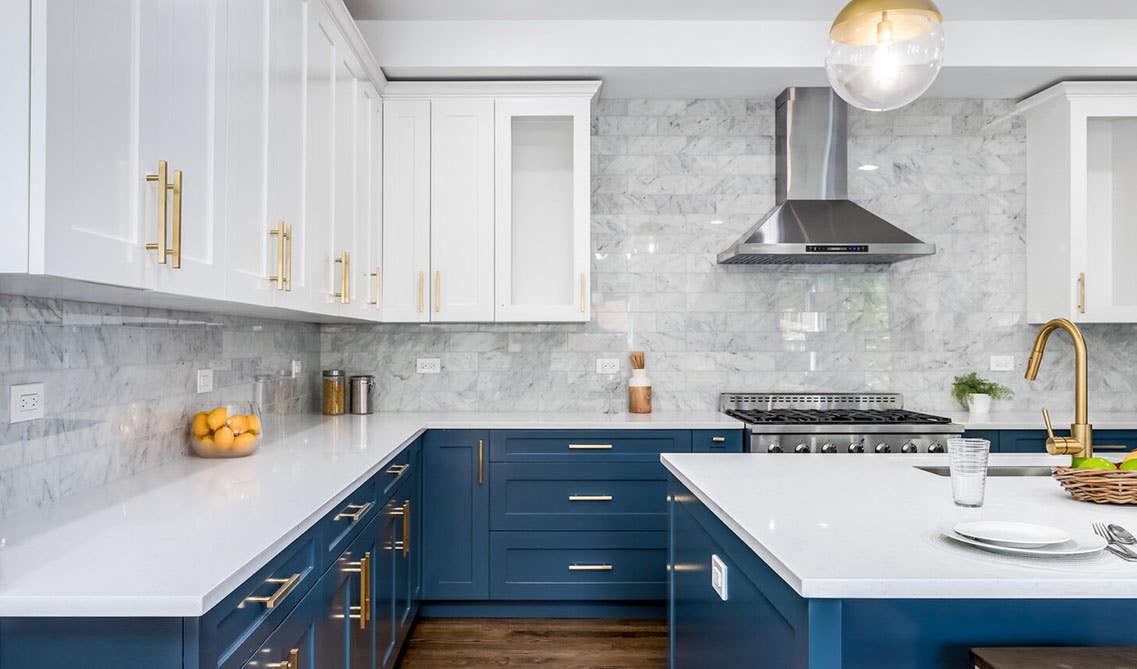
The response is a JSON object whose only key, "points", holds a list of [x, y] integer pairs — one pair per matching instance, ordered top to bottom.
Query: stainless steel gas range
{"points": [[837, 423]]}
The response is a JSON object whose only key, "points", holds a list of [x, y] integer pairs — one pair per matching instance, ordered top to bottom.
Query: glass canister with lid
{"points": [[335, 392]]}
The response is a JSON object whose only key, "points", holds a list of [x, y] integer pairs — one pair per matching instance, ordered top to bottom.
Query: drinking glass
{"points": [[967, 459]]}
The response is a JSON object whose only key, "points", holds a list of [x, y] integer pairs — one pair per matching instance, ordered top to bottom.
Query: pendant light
{"points": [[884, 54]]}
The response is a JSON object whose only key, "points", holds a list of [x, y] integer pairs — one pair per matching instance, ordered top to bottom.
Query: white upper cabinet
{"points": [[15, 111], [368, 202], [1082, 202], [406, 210], [461, 210], [542, 213], [320, 253]]}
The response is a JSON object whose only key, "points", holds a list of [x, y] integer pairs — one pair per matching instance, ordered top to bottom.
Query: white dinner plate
{"points": [[1008, 533], [1091, 544]]}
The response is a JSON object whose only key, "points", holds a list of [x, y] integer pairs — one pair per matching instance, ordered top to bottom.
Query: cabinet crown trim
{"points": [[496, 89], [1078, 89]]}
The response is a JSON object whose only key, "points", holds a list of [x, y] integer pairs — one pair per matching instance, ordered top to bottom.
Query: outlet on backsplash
{"points": [[1002, 363], [607, 365], [428, 366], [204, 381], [26, 402]]}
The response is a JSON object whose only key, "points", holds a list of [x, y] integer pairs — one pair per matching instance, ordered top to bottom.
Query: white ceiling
{"points": [[766, 10]]}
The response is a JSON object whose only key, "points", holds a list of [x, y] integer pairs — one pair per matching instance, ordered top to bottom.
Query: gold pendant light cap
{"points": [[857, 23]]}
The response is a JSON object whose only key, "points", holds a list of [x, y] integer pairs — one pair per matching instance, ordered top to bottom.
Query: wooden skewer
{"points": [[637, 359]]}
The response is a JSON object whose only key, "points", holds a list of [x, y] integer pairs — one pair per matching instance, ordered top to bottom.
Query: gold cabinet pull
{"points": [[162, 177], [278, 232], [176, 250], [288, 258], [345, 278], [378, 278], [437, 291], [420, 292], [582, 292], [1082, 293], [718, 440], [590, 447], [481, 461], [397, 470], [590, 498], [357, 511], [406, 527], [590, 567], [363, 568], [286, 586], [293, 661]]}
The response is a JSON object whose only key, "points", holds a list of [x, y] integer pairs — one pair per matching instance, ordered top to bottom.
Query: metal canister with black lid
{"points": [[362, 393]]}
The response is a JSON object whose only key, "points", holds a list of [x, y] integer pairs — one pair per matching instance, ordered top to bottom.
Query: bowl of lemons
{"points": [[230, 431]]}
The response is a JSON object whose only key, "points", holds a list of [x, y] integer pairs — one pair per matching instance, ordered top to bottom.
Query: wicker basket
{"points": [[1103, 486]]}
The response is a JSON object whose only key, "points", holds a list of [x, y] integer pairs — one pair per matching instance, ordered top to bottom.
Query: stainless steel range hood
{"points": [[813, 220]]}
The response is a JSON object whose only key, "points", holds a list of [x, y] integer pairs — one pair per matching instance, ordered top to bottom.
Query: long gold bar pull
{"points": [[160, 177], [279, 234], [176, 250], [288, 259], [345, 278], [378, 278], [437, 291], [420, 292], [582, 292], [1081, 292], [481, 461], [590, 498], [406, 527], [590, 567], [365, 591], [294, 658]]}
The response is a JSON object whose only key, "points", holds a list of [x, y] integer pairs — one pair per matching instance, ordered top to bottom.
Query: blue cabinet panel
{"points": [[992, 436], [717, 441], [1034, 441], [586, 445], [578, 496], [344, 523], [455, 541], [578, 565], [384, 589], [341, 640], [294, 641], [90, 643]]}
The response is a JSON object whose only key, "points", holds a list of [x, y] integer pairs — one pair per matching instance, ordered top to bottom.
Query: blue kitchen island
{"points": [[831, 561]]}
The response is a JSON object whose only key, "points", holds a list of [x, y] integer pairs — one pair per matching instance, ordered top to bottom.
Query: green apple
{"points": [[1095, 463], [1129, 465]]}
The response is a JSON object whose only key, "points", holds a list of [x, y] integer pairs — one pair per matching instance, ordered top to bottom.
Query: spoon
{"points": [[1122, 535]]}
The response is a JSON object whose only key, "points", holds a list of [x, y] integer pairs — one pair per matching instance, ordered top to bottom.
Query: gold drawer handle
{"points": [[164, 188], [279, 233], [288, 258], [378, 274], [345, 278], [437, 291], [1082, 293], [718, 440], [590, 447], [1110, 447], [481, 462], [397, 470], [590, 498], [359, 511], [406, 527], [590, 567], [363, 568], [286, 586], [293, 661]]}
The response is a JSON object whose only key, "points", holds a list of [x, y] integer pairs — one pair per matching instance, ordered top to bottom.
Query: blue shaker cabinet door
{"points": [[455, 542]]}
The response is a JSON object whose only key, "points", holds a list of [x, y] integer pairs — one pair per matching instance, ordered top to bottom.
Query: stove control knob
{"points": [[856, 447], [908, 447], [936, 447], [775, 448], [801, 448], [828, 448], [883, 448]]}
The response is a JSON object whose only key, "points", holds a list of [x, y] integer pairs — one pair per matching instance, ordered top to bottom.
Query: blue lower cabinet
{"points": [[717, 441], [1034, 441], [586, 445], [455, 542], [578, 565], [384, 588], [346, 629], [295, 641], [92, 643]]}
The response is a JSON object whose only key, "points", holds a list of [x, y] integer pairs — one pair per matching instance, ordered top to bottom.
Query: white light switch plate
{"points": [[1002, 363], [607, 365], [428, 366], [297, 367], [205, 380], [26, 402], [718, 576]]}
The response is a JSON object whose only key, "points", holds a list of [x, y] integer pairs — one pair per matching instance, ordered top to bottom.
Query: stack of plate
{"points": [[1013, 538]]}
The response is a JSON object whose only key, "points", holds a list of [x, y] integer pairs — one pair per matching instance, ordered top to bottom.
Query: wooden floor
{"points": [[537, 642]]}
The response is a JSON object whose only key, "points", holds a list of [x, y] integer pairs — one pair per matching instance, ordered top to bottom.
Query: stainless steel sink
{"points": [[1003, 470]]}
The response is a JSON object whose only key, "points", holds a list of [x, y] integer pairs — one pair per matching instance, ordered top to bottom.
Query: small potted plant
{"points": [[975, 394]]}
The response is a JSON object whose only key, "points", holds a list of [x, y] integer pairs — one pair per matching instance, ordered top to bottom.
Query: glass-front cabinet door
{"points": [[542, 209]]}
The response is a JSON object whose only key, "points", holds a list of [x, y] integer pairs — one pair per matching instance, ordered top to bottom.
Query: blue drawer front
{"points": [[716, 441], [1034, 441], [586, 445], [578, 496], [344, 522], [578, 565]]}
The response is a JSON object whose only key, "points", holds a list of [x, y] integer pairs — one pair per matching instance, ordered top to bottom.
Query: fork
{"points": [[1120, 550]]}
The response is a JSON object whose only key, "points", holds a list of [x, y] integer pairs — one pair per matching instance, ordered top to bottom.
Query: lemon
{"points": [[217, 417], [238, 423], [254, 423], [201, 424], [223, 437], [244, 440], [1130, 455]]}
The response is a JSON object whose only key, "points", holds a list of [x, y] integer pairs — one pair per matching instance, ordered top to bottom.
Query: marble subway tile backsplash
{"points": [[676, 181], [120, 386]]}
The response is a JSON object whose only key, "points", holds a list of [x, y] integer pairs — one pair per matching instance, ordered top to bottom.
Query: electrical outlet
{"points": [[1002, 363], [607, 365], [428, 366], [297, 367], [204, 380], [25, 402], [718, 576]]}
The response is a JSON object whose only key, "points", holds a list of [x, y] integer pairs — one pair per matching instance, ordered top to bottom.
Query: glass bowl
{"points": [[227, 431]]}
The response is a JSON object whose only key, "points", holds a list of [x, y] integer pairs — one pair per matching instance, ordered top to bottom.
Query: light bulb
{"points": [[884, 59]]}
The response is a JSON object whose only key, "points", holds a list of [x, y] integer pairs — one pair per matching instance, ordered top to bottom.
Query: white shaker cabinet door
{"points": [[319, 154], [88, 164], [406, 210], [461, 210], [542, 213], [368, 214], [345, 262]]}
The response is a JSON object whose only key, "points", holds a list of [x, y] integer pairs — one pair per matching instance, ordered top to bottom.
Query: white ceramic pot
{"points": [[979, 403]]}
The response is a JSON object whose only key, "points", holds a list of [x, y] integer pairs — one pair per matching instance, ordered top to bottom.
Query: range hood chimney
{"points": [[813, 221]]}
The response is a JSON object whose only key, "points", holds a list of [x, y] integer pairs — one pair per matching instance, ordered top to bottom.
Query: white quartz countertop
{"points": [[1032, 420], [856, 526], [174, 540]]}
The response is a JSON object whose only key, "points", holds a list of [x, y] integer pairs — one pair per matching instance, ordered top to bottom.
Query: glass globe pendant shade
{"points": [[884, 54]]}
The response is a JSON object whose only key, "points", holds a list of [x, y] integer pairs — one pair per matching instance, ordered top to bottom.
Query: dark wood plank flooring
{"points": [[537, 642]]}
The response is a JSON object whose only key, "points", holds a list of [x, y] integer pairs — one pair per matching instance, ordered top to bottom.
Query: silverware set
{"points": [[1118, 540]]}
